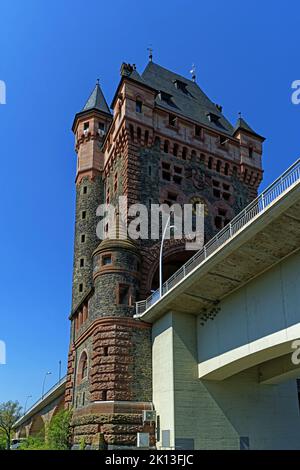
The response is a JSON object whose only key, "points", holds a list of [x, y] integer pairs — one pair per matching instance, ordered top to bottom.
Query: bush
{"points": [[58, 432]]}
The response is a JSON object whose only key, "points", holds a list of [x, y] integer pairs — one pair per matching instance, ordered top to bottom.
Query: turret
{"points": [[90, 127]]}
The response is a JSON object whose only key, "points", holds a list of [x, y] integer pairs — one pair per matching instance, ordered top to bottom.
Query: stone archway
{"points": [[37, 427]]}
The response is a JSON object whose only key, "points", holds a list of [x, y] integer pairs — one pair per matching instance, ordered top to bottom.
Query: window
{"points": [[181, 86], [166, 97], [138, 106], [172, 120], [86, 126], [101, 126], [198, 131], [131, 132], [139, 133], [146, 139], [223, 140], [166, 146], [175, 150], [250, 152], [184, 153], [193, 155], [210, 163], [218, 166], [226, 169], [149, 170], [166, 171], [177, 176], [116, 182], [84, 190], [217, 193], [172, 197], [83, 215], [221, 219], [82, 238], [106, 260], [81, 263], [80, 287], [124, 298], [105, 351], [83, 366], [83, 398]]}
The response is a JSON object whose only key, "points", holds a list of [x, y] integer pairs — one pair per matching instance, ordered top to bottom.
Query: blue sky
{"points": [[51, 54]]}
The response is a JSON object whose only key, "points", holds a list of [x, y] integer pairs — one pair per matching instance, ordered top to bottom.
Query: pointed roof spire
{"points": [[97, 100], [243, 125]]}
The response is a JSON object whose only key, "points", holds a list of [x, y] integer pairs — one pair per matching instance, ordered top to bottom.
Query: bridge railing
{"points": [[269, 195], [55, 386]]}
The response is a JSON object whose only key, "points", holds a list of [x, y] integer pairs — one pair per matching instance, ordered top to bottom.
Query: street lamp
{"points": [[161, 256], [47, 373], [25, 407]]}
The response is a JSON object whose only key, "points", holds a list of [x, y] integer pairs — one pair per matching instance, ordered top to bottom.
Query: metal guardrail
{"points": [[270, 194], [41, 399]]}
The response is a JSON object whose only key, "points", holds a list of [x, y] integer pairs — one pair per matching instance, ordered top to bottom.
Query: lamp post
{"points": [[161, 256], [43, 389], [25, 407]]}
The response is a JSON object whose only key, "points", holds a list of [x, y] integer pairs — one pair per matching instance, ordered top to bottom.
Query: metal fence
{"points": [[270, 194], [40, 400]]}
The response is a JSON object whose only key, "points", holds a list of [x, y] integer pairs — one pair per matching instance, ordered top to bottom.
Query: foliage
{"points": [[10, 412], [58, 432], [2, 440], [34, 443], [82, 443]]}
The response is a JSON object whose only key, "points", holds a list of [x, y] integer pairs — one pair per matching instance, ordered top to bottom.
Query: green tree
{"points": [[10, 412], [58, 432]]}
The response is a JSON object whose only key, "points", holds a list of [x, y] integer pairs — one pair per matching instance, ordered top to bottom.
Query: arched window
{"points": [[131, 131], [146, 137], [166, 146], [175, 150], [184, 153], [210, 163], [218, 166], [226, 169], [83, 366]]}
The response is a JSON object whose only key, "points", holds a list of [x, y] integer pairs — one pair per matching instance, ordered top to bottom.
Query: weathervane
{"points": [[150, 50], [193, 72]]}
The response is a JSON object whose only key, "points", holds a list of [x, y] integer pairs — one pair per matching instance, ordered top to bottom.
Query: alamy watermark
{"points": [[2, 92], [296, 93], [141, 222], [2, 352], [296, 353]]}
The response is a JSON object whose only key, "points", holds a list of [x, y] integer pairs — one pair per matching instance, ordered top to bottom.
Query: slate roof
{"points": [[97, 101], [191, 103], [242, 124]]}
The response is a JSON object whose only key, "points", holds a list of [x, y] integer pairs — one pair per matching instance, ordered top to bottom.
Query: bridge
{"points": [[224, 331], [34, 422]]}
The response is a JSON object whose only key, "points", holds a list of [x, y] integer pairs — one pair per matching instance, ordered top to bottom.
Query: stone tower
{"points": [[165, 142]]}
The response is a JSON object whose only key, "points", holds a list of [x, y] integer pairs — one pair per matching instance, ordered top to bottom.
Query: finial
{"points": [[150, 53], [193, 72], [98, 81], [240, 115]]}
